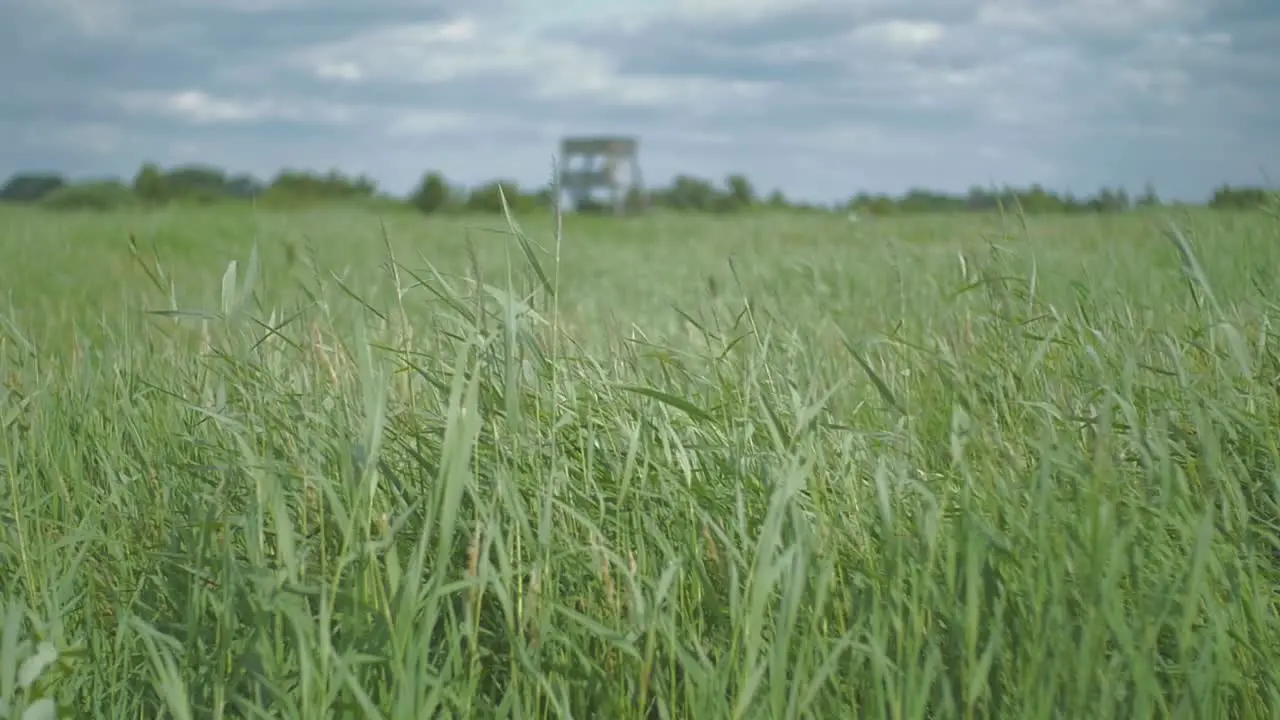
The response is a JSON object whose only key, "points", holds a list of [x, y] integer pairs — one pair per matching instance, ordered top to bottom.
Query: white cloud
{"points": [[739, 9], [1062, 17], [92, 18], [107, 18], [898, 34], [424, 52], [438, 53], [344, 71], [202, 108], [428, 122]]}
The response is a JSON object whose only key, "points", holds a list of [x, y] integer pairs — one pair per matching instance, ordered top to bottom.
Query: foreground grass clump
{"points": [[890, 475]]}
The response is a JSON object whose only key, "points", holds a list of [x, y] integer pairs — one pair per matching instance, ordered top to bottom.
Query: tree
{"points": [[192, 183], [196, 183], [149, 184], [244, 186], [31, 187], [301, 187], [432, 193], [690, 193], [741, 194], [99, 195], [1226, 197], [488, 198], [1148, 198], [980, 199], [1039, 201], [1110, 201], [1123, 203], [874, 205]]}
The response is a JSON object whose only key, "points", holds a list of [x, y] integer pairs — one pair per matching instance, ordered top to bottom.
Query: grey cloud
{"points": [[808, 23], [265, 33], [186, 44], [801, 46], [830, 60], [730, 65], [1175, 102]]}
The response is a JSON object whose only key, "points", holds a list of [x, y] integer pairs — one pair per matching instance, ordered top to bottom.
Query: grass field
{"points": [[763, 466]]}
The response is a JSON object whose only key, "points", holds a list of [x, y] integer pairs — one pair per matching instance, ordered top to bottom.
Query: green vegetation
{"points": [[205, 184], [767, 465]]}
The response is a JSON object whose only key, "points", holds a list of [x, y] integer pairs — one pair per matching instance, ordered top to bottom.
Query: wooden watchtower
{"points": [[611, 164]]}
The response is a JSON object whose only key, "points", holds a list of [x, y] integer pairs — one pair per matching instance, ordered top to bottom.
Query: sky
{"points": [[820, 98]]}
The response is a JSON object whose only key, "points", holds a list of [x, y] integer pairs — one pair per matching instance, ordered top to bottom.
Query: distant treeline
{"points": [[197, 184]]}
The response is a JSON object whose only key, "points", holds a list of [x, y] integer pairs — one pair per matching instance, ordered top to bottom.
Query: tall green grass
{"points": [[767, 467]]}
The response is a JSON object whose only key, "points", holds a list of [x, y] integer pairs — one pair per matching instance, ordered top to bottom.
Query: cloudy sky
{"points": [[822, 98]]}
